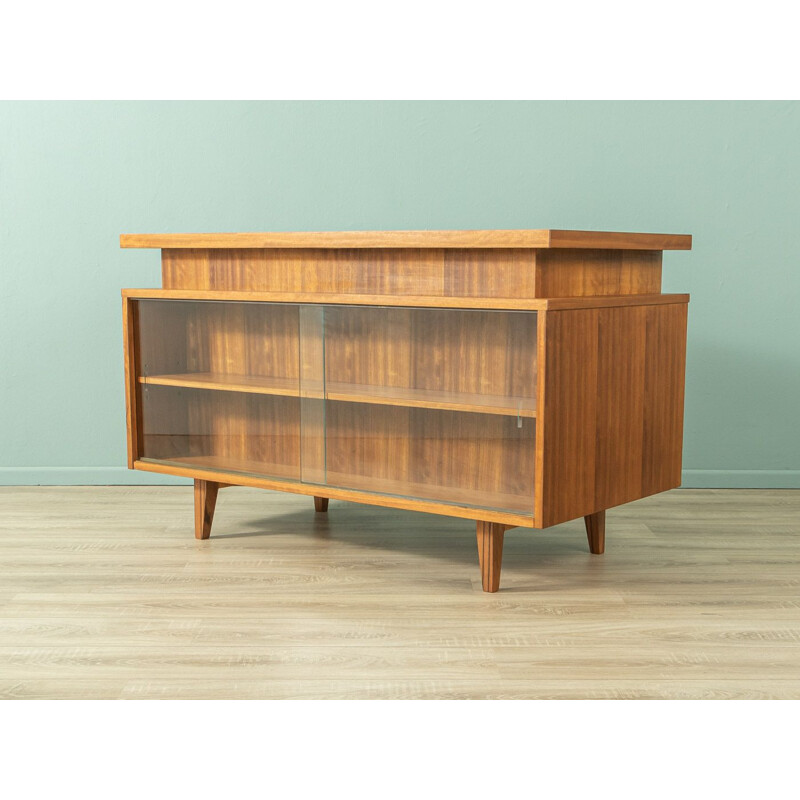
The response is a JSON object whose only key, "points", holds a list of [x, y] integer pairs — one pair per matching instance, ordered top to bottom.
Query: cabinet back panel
{"points": [[254, 339], [369, 345], [474, 352], [223, 430], [460, 457]]}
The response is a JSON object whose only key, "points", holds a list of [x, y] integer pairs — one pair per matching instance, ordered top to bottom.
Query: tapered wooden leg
{"points": [[205, 499], [320, 503], [596, 532], [490, 553]]}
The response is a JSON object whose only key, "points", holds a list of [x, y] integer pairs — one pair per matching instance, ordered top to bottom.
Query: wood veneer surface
{"points": [[421, 239], [438, 272], [413, 301], [351, 392], [610, 407]]}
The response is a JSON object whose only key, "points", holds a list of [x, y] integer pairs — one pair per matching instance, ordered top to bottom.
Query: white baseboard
{"points": [[85, 476], [741, 479]]}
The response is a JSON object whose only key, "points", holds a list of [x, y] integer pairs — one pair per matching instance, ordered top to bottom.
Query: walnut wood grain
{"points": [[421, 239], [189, 268], [437, 272], [481, 272], [590, 273], [414, 301], [664, 379], [222, 382], [351, 393], [610, 408], [133, 413], [241, 432], [228, 475], [205, 500], [320, 504], [596, 532], [490, 553]]}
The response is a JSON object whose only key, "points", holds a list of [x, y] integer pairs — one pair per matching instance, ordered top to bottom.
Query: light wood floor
{"points": [[104, 593]]}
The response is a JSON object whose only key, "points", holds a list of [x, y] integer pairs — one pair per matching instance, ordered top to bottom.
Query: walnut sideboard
{"points": [[517, 378]]}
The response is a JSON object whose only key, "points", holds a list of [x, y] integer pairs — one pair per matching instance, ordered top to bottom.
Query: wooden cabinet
{"points": [[516, 378]]}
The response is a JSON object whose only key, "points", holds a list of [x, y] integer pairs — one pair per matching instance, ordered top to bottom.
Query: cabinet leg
{"points": [[205, 500], [320, 503], [596, 532], [490, 553]]}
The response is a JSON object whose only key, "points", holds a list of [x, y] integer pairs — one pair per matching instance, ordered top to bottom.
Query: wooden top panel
{"points": [[414, 239], [412, 301]]}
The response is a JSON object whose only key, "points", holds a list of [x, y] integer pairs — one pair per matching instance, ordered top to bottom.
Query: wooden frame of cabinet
{"points": [[525, 378]]}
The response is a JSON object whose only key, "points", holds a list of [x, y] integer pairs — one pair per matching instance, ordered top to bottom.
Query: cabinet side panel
{"points": [[592, 273], [665, 378], [620, 404], [612, 407], [133, 412], [569, 415]]}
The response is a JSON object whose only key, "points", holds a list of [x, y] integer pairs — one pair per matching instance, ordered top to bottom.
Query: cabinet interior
{"points": [[438, 404]]}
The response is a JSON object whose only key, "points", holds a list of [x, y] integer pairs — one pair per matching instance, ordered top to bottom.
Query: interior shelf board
{"points": [[227, 383], [352, 393], [428, 398], [227, 464], [238, 473], [471, 498], [500, 501]]}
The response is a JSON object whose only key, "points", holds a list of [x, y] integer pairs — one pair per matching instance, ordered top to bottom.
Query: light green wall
{"points": [[73, 176]]}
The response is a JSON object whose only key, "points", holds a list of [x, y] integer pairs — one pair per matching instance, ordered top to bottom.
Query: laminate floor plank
{"points": [[105, 593]]}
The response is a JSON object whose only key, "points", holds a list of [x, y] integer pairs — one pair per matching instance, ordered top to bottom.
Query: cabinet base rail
{"points": [[489, 534]]}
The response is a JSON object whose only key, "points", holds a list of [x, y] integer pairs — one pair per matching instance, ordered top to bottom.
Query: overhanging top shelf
{"points": [[545, 239]]}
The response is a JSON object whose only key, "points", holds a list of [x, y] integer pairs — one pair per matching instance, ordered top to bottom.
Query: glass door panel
{"points": [[220, 385], [312, 394], [435, 404]]}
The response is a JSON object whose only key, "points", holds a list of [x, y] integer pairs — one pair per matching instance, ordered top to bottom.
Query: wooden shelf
{"points": [[407, 300], [217, 381], [353, 393], [427, 398], [233, 465], [183, 469], [341, 480], [443, 494]]}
